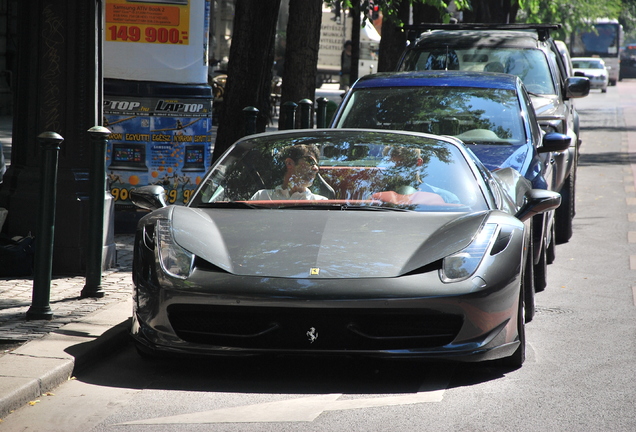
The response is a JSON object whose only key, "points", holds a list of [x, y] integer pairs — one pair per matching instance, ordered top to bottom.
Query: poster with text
{"points": [[156, 141]]}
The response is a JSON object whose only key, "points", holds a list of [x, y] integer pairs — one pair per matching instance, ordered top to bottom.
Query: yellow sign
{"points": [[148, 21]]}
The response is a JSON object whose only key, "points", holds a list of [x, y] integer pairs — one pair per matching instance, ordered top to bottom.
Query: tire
{"points": [[565, 212], [551, 252], [541, 267], [541, 271], [527, 285]]}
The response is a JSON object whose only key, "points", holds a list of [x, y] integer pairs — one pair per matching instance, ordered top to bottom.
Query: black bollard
{"points": [[306, 107], [321, 112], [288, 113], [250, 115], [97, 186], [40, 306]]}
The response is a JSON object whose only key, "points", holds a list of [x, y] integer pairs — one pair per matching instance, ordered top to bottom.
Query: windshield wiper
{"points": [[506, 143], [231, 205], [343, 207]]}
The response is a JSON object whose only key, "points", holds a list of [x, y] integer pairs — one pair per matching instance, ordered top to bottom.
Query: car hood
{"points": [[325, 243]]}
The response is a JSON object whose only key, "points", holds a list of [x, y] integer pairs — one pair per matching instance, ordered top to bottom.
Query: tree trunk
{"points": [[393, 39], [301, 55], [249, 70]]}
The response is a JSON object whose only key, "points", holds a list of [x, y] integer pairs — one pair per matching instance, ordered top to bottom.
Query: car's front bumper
{"points": [[338, 317]]}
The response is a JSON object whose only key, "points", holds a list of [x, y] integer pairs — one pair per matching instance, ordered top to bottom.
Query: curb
{"points": [[43, 364]]}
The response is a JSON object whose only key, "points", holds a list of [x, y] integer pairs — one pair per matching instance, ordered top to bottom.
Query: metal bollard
{"points": [[306, 106], [332, 107], [321, 112], [288, 113], [250, 115], [97, 186], [40, 306]]}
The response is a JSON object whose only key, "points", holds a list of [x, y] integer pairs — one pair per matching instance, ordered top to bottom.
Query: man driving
{"points": [[301, 168]]}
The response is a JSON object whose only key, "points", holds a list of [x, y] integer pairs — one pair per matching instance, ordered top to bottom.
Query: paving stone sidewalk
{"points": [[66, 304]]}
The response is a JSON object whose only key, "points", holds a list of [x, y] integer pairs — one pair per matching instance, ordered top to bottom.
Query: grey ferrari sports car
{"points": [[342, 242]]}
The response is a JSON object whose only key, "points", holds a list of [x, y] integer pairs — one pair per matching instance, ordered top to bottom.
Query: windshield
{"points": [[587, 64], [531, 65], [474, 115], [343, 170]]}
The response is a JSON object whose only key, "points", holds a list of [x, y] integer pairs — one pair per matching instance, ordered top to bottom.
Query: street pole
{"points": [[97, 183], [40, 306]]}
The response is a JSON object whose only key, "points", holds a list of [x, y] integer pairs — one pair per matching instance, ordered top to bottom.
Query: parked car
{"points": [[525, 50], [565, 56], [628, 62], [594, 69], [491, 112], [3, 166], [348, 242]]}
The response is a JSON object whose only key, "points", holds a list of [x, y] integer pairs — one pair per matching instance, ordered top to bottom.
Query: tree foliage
{"points": [[571, 14]]}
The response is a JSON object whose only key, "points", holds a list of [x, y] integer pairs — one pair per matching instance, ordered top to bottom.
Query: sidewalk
{"points": [[36, 356]]}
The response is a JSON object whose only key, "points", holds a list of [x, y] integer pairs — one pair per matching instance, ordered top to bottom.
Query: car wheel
{"points": [[604, 90], [565, 212], [551, 252], [541, 267], [541, 271], [528, 285], [515, 361]]}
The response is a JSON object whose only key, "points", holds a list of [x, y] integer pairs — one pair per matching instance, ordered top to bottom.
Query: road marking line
{"points": [[631, 236], [632, 262], [634, 294], [304, 409]]}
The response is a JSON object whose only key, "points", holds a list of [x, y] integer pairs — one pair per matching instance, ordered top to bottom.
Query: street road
{"points": [[580, 374]]}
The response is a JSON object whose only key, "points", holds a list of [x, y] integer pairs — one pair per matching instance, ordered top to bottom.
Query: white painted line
{"points": [[304, 409]]}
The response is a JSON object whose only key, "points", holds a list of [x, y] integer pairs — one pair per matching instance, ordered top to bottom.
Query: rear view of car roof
{"points": [[480, 38], [438, 78]]}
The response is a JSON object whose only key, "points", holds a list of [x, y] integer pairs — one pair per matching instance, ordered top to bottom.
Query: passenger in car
{"points": [[301, 167], [402, 170]]}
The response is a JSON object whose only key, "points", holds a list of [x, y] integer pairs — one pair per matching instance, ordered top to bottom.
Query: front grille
{"points": [[333, 329]]}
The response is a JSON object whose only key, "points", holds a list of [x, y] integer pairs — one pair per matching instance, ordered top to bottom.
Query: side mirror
{"points": [[577, 87], [555, 142], [151, 197], [538, 201]]}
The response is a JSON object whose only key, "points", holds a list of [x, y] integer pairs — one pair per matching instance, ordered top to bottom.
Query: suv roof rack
{"points": [[543, 30]]}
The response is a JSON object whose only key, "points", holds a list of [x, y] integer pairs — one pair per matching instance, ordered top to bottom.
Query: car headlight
{"points": [[174, 260], [463, 264]]}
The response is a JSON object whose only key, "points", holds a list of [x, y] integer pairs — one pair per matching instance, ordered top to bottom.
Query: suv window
{"points": [[531, 65]]}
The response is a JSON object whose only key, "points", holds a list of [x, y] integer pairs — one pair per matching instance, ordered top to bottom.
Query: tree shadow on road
{"points": [[607, 158]]}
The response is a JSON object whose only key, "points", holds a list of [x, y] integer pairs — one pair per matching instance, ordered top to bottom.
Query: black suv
{"points": [[525, 50]]}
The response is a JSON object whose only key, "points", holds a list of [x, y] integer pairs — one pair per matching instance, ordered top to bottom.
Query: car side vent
{"points": [[503, 239]]}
